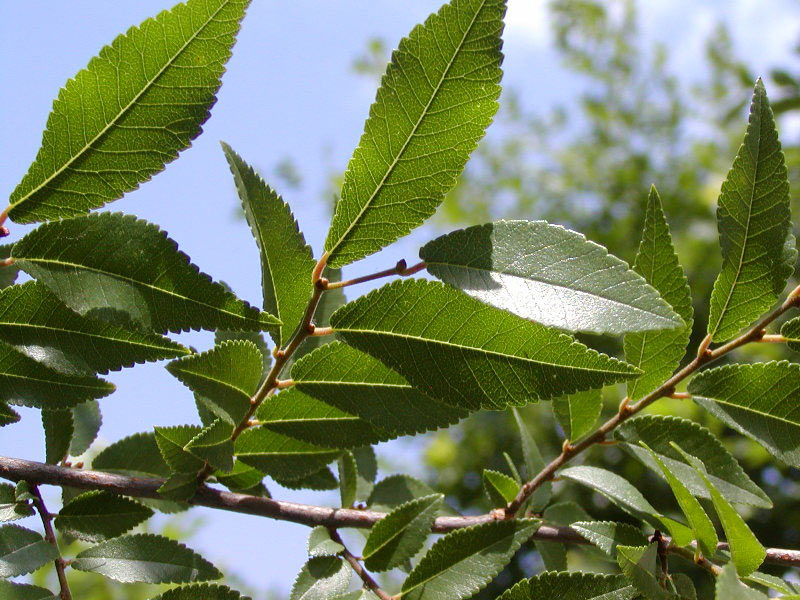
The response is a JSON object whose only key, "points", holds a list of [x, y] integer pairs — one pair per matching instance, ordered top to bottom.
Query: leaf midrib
{"points": [[114, 121], [210, 379], [754, 411]]}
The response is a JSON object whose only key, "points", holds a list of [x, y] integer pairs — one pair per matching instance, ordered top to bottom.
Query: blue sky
{"points": [[289, 93]]}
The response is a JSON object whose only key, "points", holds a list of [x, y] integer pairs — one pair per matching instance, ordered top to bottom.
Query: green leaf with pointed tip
{"points": [[437, 98], [126, 115], [754, 223], [286, 260], [123, 269], [8, 274], [550, 275], [37, 324], [791, 331], [255, 337], [658, 353], [476, 356], [226, 376], [25, 382], [358, 384], [758, 400], [577, 413], [8, 415], [86, 420], [58, 429], [657, 431], [172, 442], [214, 445], [136, 455], [281, 456], [534, 462], [348, 473], [243, 478], [320, 480], [179, 487], [500, 488], [395, 490], [628, 498], [11, 508], [99, 515], [703, 528], [401, 534], [607, 535], [321, 544], [23, 551], [747, 553], [145, 558], [462, 562], [638, 563], [321, 578], [772, 582], [571, 586], [730, 588], [20, 591], [200, 591]]}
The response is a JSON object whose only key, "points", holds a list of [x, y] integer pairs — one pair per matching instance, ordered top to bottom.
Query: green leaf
{"points": [[437, 98], [129, 112], [754, 224], [286, 261], [120, 268], [8, 274], [550, 275], [37, 324], [791, 331], [658, 353], [476, 356], [25, 382], [354, 382], [758, 400], [578, 412], [8, 415], [86, 421], [58, 429], [657, 431], [172, 442], [214, 445], [136, 455], [280, 456], [534, 462], [366, 471], [348, 472], [242, 478], [323, 479], [179, 487], [500, 488], [391, 492], [628, 498], [11, 508], [98, 515], [703, 528], [401, 534], [607, 535], [321, 544], [23, 551], [747, 552], [554, 554], [145, 558], [462, 562], [638, 563], [321, 578], [773, 582], [571, 586], [684, 586], [730, 588], [20, 591], [202, 591], [361, 594]]}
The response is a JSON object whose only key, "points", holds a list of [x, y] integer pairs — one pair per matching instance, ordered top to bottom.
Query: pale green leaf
{"points": [[437, 98], [136, 105], [754, 223], [286, 261], [120, 268], [8, 274], [550, 275], [791, 331], [658, 353], [475, 356], [759, 400], [577, 413], [86, 420], [58, 429], [657, 431], [280, 456], [534, 462], [500, 488], [391, 492], [99, 515], [400, 535], [607, 535], [321, 544], [23, 551], [145, 558], [462, 562], [638, 563], [321, 578], [774, 583], [571, 586], [730, 588], [20, 591], [201, 591], [361, 594]]}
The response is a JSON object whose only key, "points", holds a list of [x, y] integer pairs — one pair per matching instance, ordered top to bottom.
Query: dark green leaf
{"points": [[436, 99], [129, 112], [754, 224], [286, 261], [120, 268], [8, 274], [550, 275], [791, 331], [658, 353], [476, 356], [578, 412], [8, 415], [86, 420], [58, 428], [172, 442], [214, 445], [136, 455], [280, 456], [533, 462], [366, 471], [348, 473], [243, 478], [323, 479], [179, 487], [500, 488], [395, 490], [11, 508], [98, 515], [401, 534], [607, 535], [321, 544], [23, 551], [554, 554], [462, 562], [638, 563], [321, 578], [772, 582], [572, 586], [730, 588], [20, 591], [201, 591]]}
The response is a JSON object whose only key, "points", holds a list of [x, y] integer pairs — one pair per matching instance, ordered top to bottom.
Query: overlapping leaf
{"points": [[436, 99], [130, 111], [754, 227], [286, 260], [123, 269], [8, 274], [550, 275], [791, 331], [465, 353], [658, 353], [759, 400], [577, 413], [7, 415], [86, 422], [58, 429], [172, 443], [136, 455], [281, 456], [534, 462], [500, 488], [395, 490], [11, 508], [99, 515], [607, 535], [321, 544], [23, 551], [554, 554], [638, 563], [321, 578], [572, 586], [728, 587], [201, 590], [20, 591]]}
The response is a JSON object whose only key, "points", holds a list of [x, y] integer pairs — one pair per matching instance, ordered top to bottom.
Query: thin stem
{"points": [[399, 269], [321, 331], [773, 339], [680, 396], [50, 536], [698, 559], [369, 582]]}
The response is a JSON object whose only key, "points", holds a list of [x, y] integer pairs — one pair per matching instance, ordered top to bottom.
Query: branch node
{"points": [[4, 232], [6, 262], [322, 283], [625, 408], [567, 447]]}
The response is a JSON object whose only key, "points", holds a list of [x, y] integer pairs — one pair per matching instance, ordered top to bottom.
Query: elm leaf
{"points": [[8, 273], [577, 413], [58, 429], [281, 456], [534, 462], [500, 488], [391, 492], [99, 515], [607, 535], [321, 544], [23, 551], [638, 563], [321, 578], [571, 586], [728, 587], [201, 590], [21, 591]]}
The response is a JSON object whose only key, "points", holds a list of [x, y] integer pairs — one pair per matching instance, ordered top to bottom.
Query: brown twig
{"points": [[400, 269], [50, 536], [369, 582]]}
